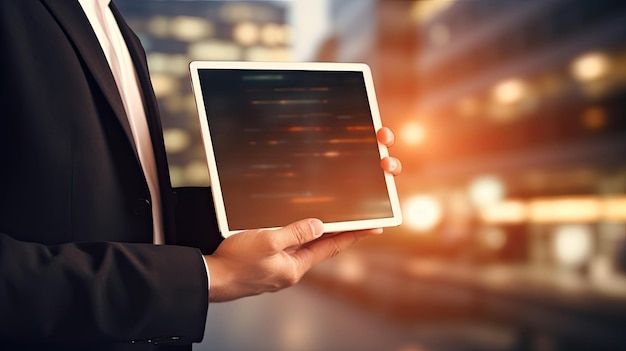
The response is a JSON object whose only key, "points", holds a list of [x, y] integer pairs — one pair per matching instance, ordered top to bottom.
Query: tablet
{"points": [[288, 141]]}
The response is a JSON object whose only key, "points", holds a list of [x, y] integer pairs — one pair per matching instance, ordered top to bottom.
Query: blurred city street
{"points": [[509, 118], [369, 301], [305, 318]]}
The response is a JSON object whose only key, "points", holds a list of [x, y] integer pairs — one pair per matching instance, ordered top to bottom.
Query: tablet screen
{"points": [[292, 144]]}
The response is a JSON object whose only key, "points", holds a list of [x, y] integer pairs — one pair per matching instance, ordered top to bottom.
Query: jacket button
{"points": [[141, 207]]}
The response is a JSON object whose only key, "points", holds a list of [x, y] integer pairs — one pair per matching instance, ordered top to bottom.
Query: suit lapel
{"points": [[70, 16], [137, 55], [154, 123]]}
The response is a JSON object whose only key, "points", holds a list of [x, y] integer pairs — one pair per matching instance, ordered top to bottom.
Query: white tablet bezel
{"points": [[216, 187]]}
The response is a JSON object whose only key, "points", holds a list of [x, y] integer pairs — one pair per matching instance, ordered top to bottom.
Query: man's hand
{"points": [[390, 164], [258, 261]]}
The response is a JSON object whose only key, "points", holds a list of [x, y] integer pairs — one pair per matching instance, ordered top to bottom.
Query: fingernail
{"points": [[316, 227]]}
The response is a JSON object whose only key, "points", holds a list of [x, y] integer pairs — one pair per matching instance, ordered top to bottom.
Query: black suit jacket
{"points": [[76, 263]]}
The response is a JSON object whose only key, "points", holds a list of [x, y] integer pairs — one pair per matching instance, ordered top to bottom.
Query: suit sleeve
{"points": [[196, 222], [97, 292]]}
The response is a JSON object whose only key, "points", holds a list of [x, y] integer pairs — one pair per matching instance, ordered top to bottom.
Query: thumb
{"points": [[297, 233]]}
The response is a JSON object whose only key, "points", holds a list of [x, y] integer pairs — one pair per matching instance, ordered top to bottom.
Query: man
{"points": [[85, 196]]}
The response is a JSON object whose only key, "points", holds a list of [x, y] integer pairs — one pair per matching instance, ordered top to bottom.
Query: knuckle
{"points": [[300, 233], [269, 241], [273, 244], [292, 278]]}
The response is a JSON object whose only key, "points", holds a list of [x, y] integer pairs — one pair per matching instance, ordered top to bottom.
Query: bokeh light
{"points": [[189, 28], [246, 33], [273, 34], [214, 50], [590, 66], [164, 85], [510, 91], [413, 134], [176, 140], [196, 173], [486, 190], [565, 210], [509, 211], [422, 212], [573, 245], [350, 268]]}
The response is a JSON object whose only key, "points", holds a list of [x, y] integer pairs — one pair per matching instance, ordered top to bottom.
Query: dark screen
{"points": [[294, 144]]}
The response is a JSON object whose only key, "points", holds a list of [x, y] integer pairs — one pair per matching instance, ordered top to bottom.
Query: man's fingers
{"points": [[385, 136], [391, 165], [294, 234], [329, 246]]}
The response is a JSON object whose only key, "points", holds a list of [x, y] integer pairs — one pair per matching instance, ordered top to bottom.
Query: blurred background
{"points": [[510, 117]]}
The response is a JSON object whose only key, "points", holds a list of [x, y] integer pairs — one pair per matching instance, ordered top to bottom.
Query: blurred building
{"points": [[176, 32], [383, 35], [522, 76], [522, 102], [510, 122]]}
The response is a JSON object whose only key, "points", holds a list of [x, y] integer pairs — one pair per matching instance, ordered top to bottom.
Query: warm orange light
{"points": [[422, 11], [188, 28], [246, 33], [273, 34], [590, 66], [164, 85], [510, 91], [468, 107], [594, 118], [358, 128], [305, 129], [413, 134], [351, 140], [486, 190], [312, 199], [574, 209], [615, 209], [565, 210], [510, 211], [422, 212], [572, 245], [350, 269]]}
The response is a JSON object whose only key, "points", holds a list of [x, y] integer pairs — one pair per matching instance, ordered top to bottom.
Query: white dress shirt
{"points": [[112, 42], [118, 57]]}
